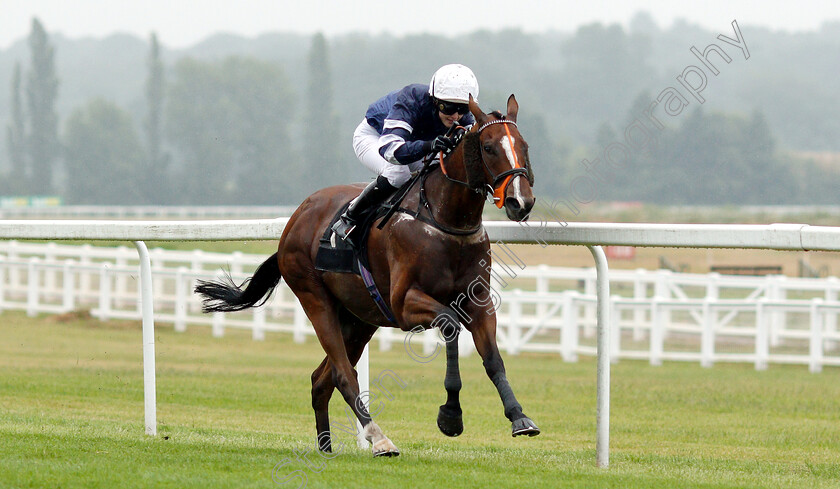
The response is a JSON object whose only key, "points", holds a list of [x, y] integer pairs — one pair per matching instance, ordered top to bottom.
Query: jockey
{"points": [[401, 128]]}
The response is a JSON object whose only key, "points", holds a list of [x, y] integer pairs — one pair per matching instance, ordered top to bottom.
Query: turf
{"points": [[231, 410]]}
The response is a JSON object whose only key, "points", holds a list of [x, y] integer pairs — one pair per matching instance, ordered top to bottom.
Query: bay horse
{"points": [[422, 262]]}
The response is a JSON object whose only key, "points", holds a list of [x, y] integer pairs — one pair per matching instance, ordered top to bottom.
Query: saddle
{"points": [[336, 255]]}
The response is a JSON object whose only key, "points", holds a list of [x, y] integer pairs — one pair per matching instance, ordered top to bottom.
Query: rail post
{"points": [[146, 296], [602, 446]]}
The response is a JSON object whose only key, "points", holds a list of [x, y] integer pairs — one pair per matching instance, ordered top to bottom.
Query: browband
{"points": [[497, 121]]}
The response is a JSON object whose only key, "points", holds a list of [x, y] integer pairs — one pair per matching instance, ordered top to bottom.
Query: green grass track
{"points": [[231, 409]]}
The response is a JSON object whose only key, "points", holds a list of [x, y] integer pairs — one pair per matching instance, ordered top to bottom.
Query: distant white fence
{"points": [[25, 208], [145, 212], [656, 315]]}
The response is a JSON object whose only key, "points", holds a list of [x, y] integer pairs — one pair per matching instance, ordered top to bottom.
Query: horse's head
{"points": [[503, 153]]}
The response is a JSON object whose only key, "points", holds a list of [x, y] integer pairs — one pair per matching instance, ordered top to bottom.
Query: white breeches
{"points": [[366, 145]]}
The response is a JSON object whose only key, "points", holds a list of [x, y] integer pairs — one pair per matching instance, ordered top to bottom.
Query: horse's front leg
{"points": [[419, 309], [483, 329], [450, 420]]}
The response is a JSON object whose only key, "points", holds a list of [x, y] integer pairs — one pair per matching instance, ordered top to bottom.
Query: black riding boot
{"points": [[373, 194]]}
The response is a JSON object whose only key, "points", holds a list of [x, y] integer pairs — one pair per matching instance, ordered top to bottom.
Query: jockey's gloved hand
{"points": [[457, 135], [440, 143]]}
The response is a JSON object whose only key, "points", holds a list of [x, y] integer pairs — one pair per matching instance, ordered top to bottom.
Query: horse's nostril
{"points": [[512, 204], [529, 205]]}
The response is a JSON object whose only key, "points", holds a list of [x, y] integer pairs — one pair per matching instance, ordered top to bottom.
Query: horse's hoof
{"points": [[449, 421], [524, 426], [380, 445], [385, 448], [393, 453]]}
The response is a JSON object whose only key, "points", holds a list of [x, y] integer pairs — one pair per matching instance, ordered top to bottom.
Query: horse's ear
{"points": [[512, 108], [480, 116]]}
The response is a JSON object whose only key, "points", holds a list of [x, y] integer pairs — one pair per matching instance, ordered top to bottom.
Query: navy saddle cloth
{"points": [[334, 254]]}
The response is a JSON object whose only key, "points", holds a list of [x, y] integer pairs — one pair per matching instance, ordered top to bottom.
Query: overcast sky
{"points": [[180, 23]]}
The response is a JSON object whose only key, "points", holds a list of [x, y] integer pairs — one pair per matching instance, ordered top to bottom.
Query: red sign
{"points": [[620, 252]]}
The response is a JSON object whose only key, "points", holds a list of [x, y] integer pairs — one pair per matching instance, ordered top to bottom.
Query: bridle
{"points": [[501, 181], [497, 189]]}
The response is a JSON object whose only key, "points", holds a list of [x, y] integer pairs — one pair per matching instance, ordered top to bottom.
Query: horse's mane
{"points": [[472, 156], [472, 160]]}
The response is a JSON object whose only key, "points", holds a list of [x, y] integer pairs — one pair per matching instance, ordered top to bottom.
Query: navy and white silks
{"points": [[390, 139]]}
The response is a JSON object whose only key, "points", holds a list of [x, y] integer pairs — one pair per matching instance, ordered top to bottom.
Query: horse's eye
{"points": [[488, 148]]}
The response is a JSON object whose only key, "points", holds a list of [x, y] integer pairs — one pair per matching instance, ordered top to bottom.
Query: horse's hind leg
{"points": [[321, 308], [356, 335], [322, 389]]}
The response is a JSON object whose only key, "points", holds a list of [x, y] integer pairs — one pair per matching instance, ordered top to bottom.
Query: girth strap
{"points": [[367, 278]]}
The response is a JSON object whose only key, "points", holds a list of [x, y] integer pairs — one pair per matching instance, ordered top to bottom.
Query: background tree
{"points": [[605, 67], [568, 84], [42, 90], [229, 123], [321, 124], [16, 140], [102, 154], [549, 154], [710, 159], [767, 169], [624, 177], [155, 188]]}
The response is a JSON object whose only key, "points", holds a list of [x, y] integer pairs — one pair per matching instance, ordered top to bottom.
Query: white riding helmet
{"points": [[454, 83]]}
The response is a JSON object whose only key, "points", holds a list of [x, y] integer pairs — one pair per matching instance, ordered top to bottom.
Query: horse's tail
{"points": [[225, 296]]}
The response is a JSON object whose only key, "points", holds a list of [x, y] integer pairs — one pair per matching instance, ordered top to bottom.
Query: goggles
{"points": [[449, 108]]}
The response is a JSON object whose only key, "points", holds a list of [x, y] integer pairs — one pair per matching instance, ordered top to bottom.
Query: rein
{"points": [[424, 202]]}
